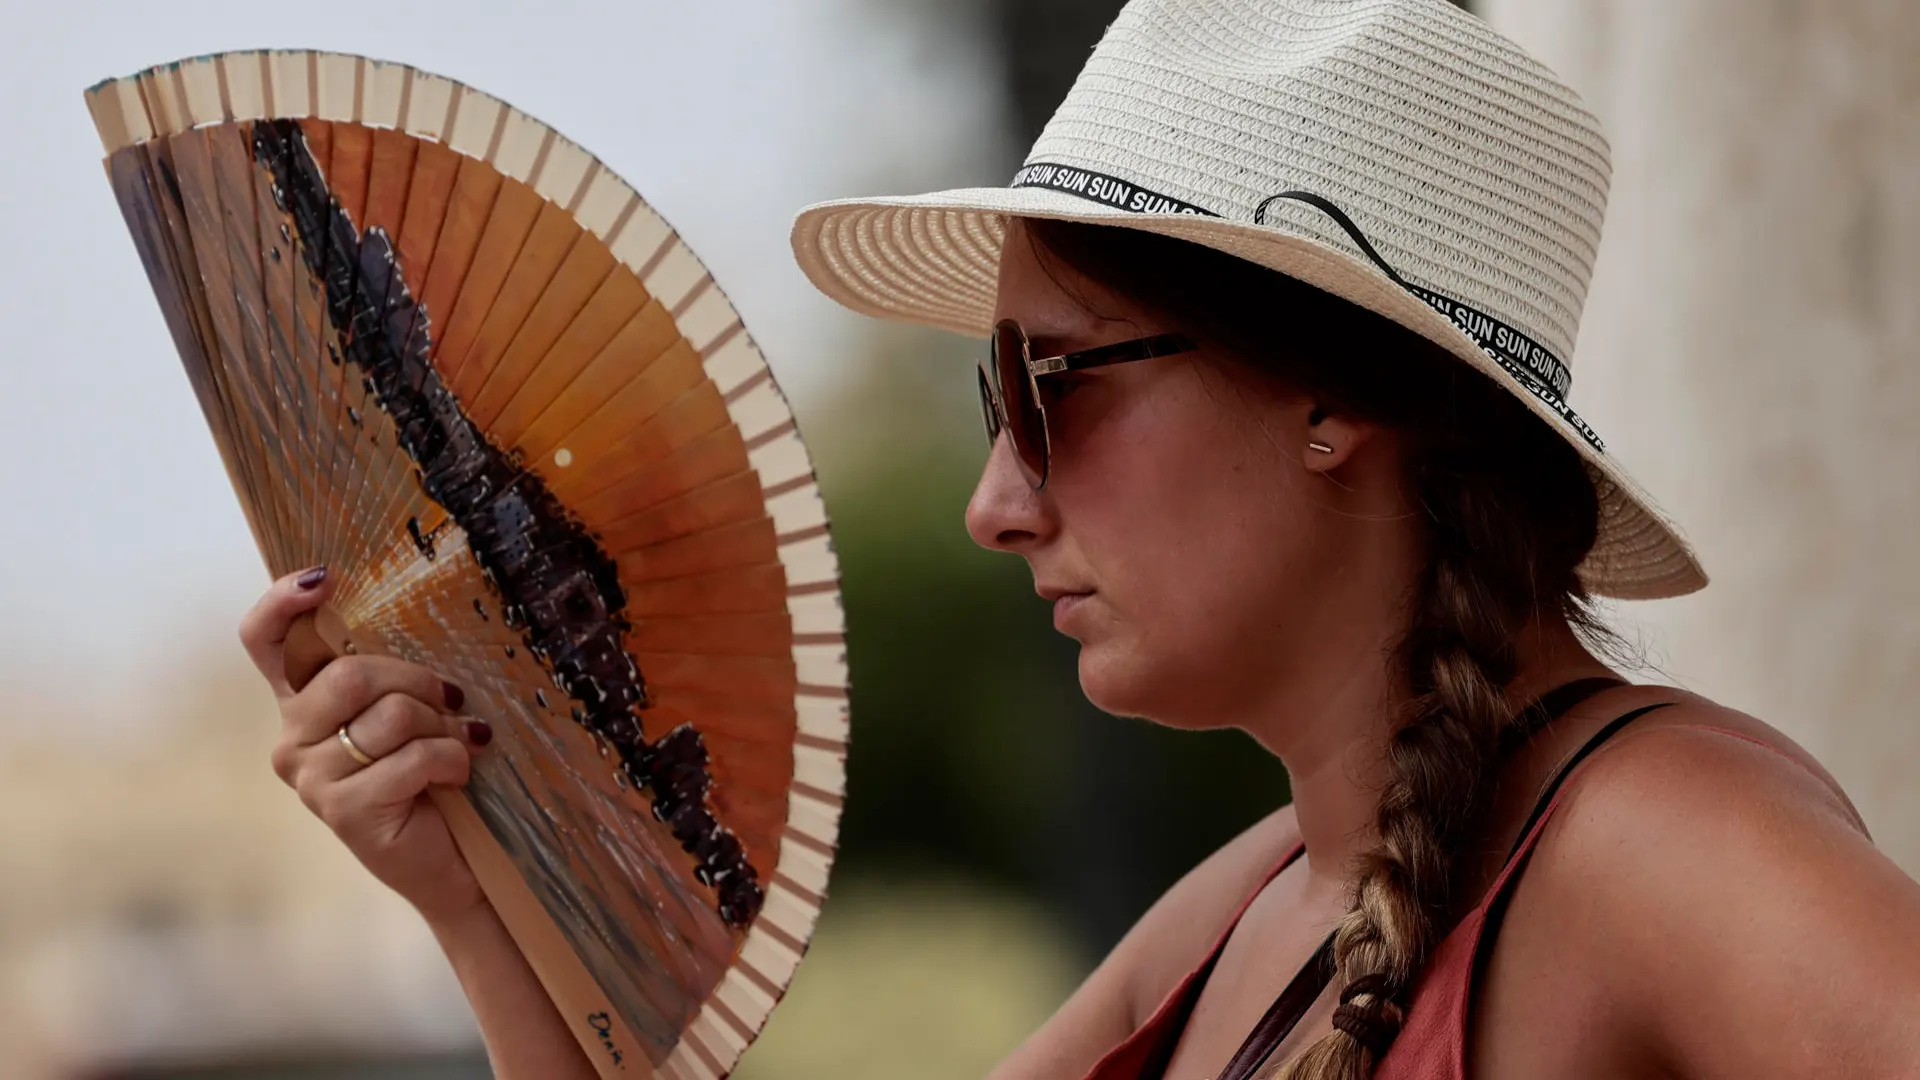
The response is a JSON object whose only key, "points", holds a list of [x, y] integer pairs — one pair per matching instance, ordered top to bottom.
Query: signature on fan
{"points": [[603, 1026]]}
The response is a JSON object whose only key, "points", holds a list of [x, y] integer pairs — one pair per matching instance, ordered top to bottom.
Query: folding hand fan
{"points": [[452, 356]]}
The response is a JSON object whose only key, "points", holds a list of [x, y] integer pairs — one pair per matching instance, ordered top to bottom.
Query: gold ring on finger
{"points": [[353, 751]]}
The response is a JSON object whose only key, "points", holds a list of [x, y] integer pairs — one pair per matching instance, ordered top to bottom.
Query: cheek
{"points": [[1188, 519]]}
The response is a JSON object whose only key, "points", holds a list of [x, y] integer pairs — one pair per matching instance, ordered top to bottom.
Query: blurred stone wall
{"points": [[1749, 350], [166, 903]]}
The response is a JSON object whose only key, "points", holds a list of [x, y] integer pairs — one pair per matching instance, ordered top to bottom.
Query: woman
{"points": [[1279, 309]]}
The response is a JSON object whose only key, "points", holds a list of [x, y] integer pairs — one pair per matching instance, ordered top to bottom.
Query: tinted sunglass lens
{"points": [[1024, 421]]}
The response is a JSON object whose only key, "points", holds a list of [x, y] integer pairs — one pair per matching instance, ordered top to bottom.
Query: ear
{"points": [[1332, 438]]}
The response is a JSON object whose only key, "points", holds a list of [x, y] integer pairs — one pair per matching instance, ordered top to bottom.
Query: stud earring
{"points": [[1320, 446]]}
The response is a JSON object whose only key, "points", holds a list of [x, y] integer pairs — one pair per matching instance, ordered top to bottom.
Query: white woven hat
{"points": [[1397, 153]]}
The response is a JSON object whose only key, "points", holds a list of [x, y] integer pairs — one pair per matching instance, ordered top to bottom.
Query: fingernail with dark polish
{"points": [[312, 578], [456, 697], [479, 732]]}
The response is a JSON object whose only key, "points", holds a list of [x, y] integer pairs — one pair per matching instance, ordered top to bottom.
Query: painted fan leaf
{"points": [[453, 357]]}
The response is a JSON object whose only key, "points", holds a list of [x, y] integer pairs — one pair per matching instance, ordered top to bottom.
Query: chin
{"points": [[1120, 682], [1137, 683]]}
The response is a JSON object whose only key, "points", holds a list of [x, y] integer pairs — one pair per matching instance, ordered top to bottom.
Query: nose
{"points": [[1005, 514]]}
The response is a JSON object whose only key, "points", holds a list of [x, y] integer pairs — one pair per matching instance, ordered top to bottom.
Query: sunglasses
{"points": [[1010, 387]]}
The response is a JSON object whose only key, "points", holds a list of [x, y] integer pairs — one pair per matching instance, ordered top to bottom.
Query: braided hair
{"points": [[1509, 510]]}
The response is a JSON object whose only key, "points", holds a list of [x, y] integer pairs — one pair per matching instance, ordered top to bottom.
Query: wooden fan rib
{"points": [[242, 75], [332, 78], [200, 83], [384, 88], [287, 90], [157, 97], [119, 116], [426, 116], [477, 117], [403, 122], [319, 137], [516, 146], [192, 159], [389, 162], [350, 171], [563, 177], [389, 182], [388, 185], [429, 195], [470, 206], [606, 206], [503, 231], [552, 237], [640, 238], [168, 257], [583, 274], [674, 275], [614, 306], [708, 316], [292, 332], [339, 388], [760, 411], [584, 424], [372, 442], [688, 444], [782, 460], [736, 498], [797, 510], [742, 543], [808, 556], [729, 592], [816, 614], [759, 634], [820, 665], [761, 680], [822, 718], [758, 726], [820, 770], [749, 799], [817, 817], [825, 849], [805, 865], [787, 912], [778, 934], [769, 960], [748, 1002], [717, 1013], [697, 1038], [682, 1064]]}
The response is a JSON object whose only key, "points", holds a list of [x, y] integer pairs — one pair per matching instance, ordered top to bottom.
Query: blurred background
{"points": [[168, 910]]}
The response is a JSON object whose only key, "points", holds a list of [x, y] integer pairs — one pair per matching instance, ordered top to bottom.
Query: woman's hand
{"points": [[402, 717], [406, 720]]}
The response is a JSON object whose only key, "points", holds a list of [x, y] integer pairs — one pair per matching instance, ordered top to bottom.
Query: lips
{"points": [[1054, 593], [1064, 601]]}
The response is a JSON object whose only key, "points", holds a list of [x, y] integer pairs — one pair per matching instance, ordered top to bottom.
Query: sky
{"points": [[121, 543]]}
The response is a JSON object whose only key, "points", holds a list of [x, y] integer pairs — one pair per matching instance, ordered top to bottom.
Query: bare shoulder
{"points": [[1695, 755], [1716, 879], [1176, 932]]}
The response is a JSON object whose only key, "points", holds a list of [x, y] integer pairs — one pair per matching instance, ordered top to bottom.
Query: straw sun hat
{"points": [[1397, 153]]}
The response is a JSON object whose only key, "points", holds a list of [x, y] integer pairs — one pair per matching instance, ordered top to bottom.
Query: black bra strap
{"points": [[1553, 786], [1283, 1015]]}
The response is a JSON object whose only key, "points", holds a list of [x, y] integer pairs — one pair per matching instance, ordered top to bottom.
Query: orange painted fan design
{"points": [[447, 353]]}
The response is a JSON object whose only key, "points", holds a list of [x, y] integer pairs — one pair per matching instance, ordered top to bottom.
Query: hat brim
{"points": [[934, 260]]}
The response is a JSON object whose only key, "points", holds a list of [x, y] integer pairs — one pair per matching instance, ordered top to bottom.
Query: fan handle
{"points": [[315, 640]]}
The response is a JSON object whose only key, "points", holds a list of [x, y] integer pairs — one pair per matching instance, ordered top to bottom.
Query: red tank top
{"points": [[1432, 1044]]}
